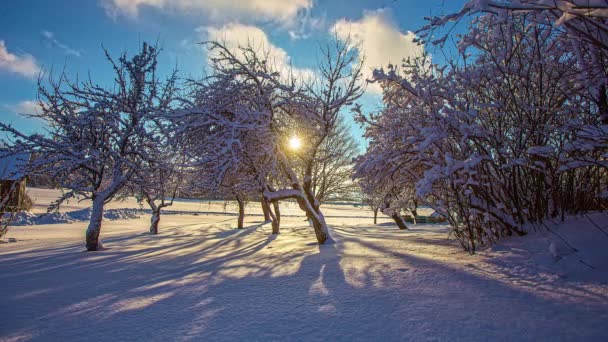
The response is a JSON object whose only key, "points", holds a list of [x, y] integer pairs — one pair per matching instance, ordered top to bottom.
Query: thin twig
{"points": [[596, 225], [561, 238], [584, 263]]}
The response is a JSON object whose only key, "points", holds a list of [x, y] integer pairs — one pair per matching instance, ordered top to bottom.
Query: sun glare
{"points": [[294, 143]]}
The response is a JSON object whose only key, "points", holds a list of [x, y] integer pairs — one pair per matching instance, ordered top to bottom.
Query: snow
{"points": [[11, 166], [25, 218], [201, 279]]}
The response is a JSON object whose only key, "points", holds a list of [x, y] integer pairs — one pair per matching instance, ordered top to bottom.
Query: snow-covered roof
{"points": [[12, 167]]}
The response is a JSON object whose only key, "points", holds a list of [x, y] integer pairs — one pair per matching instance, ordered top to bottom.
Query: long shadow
{"points": [[236, 288]]}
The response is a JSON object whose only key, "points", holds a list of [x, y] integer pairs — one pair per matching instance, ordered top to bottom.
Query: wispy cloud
{"points": [[218, 11], [380, 41], [53, 42], [24, 65], [27, 107]]}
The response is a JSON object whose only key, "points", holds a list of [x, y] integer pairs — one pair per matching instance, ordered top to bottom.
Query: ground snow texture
{"points": [[25, 218], [200, 279]]}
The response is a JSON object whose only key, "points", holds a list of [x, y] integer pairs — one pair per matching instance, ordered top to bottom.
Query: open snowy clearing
{"points": [[201, 279]]}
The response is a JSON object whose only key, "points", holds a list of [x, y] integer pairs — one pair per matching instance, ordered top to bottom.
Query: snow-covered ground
{"points": [[201, 279]]}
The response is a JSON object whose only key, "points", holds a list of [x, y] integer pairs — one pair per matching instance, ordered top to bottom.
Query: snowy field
{"points": [[200, 279]]}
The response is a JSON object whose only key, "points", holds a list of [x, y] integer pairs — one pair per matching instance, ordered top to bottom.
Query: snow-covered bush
{"points": [[506, 136]]}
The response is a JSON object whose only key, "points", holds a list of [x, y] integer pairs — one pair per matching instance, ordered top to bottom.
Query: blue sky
{"points": [[68, 35]]}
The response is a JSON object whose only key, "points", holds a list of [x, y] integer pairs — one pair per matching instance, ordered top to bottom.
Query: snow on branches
{"points": [[237, 122], [507, 136], [99, 138]]}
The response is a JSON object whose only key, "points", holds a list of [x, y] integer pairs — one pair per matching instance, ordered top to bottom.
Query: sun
{"points": [[295, 143]]}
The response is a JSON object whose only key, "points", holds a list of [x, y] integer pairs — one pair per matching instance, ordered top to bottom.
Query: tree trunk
{"points": [[603, 105], [306, 200], [241, 203], [265, 208], [277, 211], [415, 212], [314, 213], [376, 216], [276, 218], [317, 218], [154, 221], [399, 221], [321, 231], [92, 233]]}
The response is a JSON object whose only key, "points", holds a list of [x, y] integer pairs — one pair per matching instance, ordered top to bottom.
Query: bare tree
{"points": [[373, 199]]}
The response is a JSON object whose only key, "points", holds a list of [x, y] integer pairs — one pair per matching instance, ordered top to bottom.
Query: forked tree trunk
{"points": [[306, 200], [241, 203], [265, 208], [155, 215], [376, 216], [154, 221], [399, 221], [92, 233]]}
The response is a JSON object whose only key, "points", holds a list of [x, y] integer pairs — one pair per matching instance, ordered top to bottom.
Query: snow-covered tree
{"points": [[585, 20], [581, 24], [317, 109], [241, 112], [99, 137], [226, 137], [500, 138], [332, 167], [159, 181], [372, 198]]}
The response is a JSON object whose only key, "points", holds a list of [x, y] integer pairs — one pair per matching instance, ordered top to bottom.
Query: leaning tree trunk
{"points": [[306, 200], [241, 203], [265, 208], [313, 210], [376, 216], [316, 217], [154, 221], [399, 221], [319, 225], [92, 234]]}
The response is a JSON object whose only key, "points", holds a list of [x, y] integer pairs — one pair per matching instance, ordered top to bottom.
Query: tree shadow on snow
{"points": [[249, 285]]}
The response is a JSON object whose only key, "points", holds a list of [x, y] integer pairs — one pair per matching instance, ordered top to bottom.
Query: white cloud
{"points": [[216, 10], [235, 35], [50, 38], [379, 39], [24, 65], [27, 107]]}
